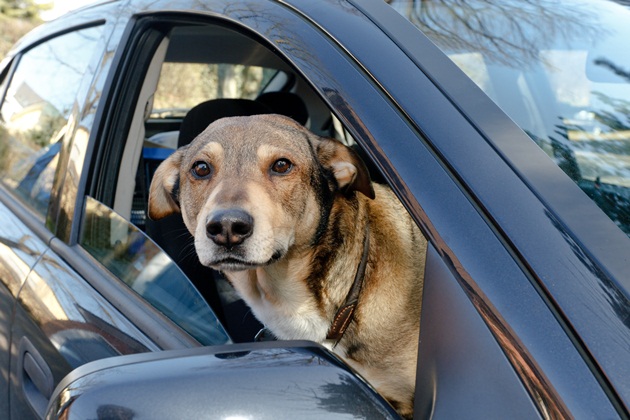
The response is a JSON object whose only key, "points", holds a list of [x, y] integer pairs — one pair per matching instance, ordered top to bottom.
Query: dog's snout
{"points": [[229, 227]]}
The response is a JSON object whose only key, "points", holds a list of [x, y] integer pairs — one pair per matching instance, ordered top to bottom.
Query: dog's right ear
{"points": [[346, 165], [164, 191]]}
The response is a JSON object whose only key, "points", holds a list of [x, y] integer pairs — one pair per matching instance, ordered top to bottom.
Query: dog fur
{"points": [[309, 199]]}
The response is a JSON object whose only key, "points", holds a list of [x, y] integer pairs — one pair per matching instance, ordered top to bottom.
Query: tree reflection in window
{"points": [[35, 111]]}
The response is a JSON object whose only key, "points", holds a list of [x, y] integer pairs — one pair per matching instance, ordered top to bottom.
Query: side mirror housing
{"points": [[253, 380]]}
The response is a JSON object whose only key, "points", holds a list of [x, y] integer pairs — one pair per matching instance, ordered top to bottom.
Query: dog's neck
{"points": [[345, 313]]}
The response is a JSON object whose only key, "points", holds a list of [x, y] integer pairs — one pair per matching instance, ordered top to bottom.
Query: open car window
{"points": [[243, 77]]}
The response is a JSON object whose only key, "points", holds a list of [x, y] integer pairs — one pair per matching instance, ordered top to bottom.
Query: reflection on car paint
{"points": [[19, 250], [51, 294]]}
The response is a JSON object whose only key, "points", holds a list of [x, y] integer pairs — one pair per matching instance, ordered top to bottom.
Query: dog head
{"points": [[250, 189]]}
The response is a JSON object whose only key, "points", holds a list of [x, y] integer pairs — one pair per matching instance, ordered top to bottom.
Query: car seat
{"points": [[285, 103]]}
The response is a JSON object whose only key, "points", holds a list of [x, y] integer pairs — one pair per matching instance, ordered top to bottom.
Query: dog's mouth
{"points": [[232, 263]]}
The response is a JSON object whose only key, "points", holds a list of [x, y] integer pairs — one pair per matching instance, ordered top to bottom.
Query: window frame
{"points": [[7, 67]]}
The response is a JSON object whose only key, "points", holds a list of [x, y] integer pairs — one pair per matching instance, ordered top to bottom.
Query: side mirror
{"points": [[253, 380]]}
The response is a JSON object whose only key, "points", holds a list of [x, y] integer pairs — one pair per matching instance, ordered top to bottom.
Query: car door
{"points": [[102, 288]]}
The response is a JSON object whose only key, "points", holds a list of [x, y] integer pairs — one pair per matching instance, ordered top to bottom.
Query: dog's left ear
{"points": [[347, 167], [164, 191]]}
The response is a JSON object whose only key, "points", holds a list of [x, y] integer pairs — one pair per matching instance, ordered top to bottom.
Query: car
{"points": [[503, 128]]}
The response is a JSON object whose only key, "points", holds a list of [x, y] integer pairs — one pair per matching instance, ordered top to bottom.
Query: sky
{"points": [[62, 6]]}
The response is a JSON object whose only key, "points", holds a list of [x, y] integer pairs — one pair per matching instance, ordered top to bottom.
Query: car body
{"points": [[526, 309]]}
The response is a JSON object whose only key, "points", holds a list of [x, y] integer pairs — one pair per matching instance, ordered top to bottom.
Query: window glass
{"points": [[561, 70], [175, 95], [36, 109], [132, 257]]}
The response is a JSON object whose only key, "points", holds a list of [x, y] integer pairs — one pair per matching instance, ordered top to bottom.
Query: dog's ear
{"points": [[347, 167], [164, 191]]}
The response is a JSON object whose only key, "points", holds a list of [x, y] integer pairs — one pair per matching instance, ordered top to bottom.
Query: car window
{"points": [[560, 71], [175, 95], [35, 111], [133, 258]]}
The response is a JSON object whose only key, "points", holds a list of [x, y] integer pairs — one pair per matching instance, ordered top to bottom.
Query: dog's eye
{"points": [[281, 166], [201, 170]]}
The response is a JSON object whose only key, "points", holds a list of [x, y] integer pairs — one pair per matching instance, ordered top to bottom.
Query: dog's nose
{"points": [[229, 227]]}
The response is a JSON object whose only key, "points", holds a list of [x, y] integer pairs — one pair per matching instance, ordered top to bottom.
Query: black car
{"points": [[503, 127]]}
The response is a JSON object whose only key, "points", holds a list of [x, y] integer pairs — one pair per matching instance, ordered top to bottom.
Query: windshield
{"points": [[561, 70]]}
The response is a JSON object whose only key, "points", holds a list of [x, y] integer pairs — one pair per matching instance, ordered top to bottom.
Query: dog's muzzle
{"points": [[229, 227]]}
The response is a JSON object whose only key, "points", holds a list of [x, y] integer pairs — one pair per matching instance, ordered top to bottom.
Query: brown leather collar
{"points": [[344, 314]]}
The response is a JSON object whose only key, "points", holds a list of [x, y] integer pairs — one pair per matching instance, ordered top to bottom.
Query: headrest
{"points": [[287, 104], [202, 115]]}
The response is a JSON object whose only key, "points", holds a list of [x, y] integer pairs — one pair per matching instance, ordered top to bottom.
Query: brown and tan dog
{"points": [[313, 247]]}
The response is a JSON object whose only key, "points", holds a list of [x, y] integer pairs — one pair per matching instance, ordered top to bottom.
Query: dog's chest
{"points": [[282, 304]]}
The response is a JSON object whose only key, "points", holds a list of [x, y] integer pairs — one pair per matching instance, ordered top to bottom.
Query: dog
{"points": [[314, 247]]}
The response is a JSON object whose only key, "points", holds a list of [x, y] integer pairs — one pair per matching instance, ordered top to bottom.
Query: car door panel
{"points": [[20, 248], [62, 323], [466, 368]]}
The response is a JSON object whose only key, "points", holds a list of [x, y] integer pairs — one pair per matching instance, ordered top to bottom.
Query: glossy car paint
{"points": [[453, 158], [20, 251]]}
